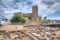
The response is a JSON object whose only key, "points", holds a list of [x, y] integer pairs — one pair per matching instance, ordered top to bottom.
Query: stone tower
{"points": [[35, 11]]}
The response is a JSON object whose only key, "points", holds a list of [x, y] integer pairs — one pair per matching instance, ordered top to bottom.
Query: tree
{"points": [[30, 17], [45, 18], [5, 19], [18, 19]]}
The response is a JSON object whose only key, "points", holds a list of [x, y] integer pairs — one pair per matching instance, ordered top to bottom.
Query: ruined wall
{"points": [[18, 14]]}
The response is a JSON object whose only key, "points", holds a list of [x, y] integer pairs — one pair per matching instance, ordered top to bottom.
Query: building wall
{"points": [[27, 14]]}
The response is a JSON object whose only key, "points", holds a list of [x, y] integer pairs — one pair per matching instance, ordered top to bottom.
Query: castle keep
{"points": [[35, 11], [33, 14]]}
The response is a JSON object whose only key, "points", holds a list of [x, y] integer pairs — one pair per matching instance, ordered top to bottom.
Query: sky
{"points": [[46, 8]]}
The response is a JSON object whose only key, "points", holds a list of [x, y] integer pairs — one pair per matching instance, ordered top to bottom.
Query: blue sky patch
{"points": [[29, 3], [55, 14]]}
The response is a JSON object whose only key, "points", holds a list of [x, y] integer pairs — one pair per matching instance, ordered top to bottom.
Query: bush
{"points": [[30, 17], [18, 19], [5, 20], [0, 24]]}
